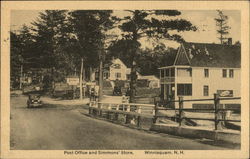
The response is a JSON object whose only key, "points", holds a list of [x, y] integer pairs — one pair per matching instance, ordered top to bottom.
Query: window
{"points": [[172, 70], [166, 72], [184, 72], [206, 72], [162, 73], [224, 73], [231, 73], [96, 75], [105, 75], [118, 75], [128, 76], [184, 89], [162, 91], [205, 91]]}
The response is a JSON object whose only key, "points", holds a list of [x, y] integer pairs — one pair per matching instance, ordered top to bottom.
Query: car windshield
{"points": [[34, 96]]}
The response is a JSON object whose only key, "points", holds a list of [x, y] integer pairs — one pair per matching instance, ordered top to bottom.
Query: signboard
{"points": [[116, 66], [73, 81], [225, 93]]}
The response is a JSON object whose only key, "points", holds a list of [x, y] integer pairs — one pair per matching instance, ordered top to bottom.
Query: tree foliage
{"points": [[150, 24], [88, 28], [58, 39], [21, 48]]}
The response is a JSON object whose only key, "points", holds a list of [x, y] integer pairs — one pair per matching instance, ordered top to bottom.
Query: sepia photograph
{"points": [[117, 82]]}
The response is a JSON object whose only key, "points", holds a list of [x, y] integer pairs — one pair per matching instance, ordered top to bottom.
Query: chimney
{"points": [[230, 41]]}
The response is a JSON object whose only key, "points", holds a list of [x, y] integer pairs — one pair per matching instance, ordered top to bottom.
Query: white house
{"points": [[117, 70], [200, 70]]}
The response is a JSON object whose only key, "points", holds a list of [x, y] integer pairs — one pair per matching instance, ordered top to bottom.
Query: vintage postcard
{"points": [[124, 79]]}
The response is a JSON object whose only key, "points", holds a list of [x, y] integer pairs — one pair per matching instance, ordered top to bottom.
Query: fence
{"points": [[127, 109], [152, 111], [219, 113]]}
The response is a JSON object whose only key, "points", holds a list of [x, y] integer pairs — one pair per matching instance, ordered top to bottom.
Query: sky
{"points": [[202, 19]]}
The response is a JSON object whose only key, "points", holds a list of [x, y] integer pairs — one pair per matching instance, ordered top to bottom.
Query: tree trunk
{"points": [[133, 71], [90, 74], [21, 77], [81, 79], [100, 79], [52, 82], [133, 83]]}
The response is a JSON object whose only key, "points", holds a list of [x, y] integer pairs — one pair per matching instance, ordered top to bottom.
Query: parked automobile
{"points": [[117, 91], [34, 101]]}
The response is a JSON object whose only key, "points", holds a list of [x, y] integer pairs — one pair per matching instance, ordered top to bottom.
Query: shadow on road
{"points": [[53, 106], [202, 141]]}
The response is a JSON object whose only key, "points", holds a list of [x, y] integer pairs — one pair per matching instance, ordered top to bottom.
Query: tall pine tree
{"points": [[150, 24], [222, 24], [88, 28], [51, 38]]}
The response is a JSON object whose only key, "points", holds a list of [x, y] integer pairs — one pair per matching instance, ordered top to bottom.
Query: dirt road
{"points": [[57, 127]]}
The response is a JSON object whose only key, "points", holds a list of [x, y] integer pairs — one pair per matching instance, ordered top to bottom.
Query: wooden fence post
{"points": [[216, 105], [123, 107], [128, 108], [139, 109], [180, 109], [90, 110], [155, 113], [108, 114], [116, 116], [127, 117], [139, 121]]}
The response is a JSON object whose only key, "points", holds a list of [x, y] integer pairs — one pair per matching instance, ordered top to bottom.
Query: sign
{"points": [[116, 66], [73, 81], [225, 93]]}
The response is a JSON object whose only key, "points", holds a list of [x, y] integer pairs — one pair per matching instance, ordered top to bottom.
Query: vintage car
{"points": [[117, 91], [34, 101]]}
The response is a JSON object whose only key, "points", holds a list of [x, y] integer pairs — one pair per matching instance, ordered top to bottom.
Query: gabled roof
{"points": [[213, 55], [181, 57], [108, 64]]}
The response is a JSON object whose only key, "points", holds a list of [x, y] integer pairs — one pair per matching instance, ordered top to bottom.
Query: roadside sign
{"points": [[73, 81], [225, 93]]}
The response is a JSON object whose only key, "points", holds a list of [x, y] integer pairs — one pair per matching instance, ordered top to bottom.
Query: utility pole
{"points": [[100, 76], [21, 77], [81, 79]]}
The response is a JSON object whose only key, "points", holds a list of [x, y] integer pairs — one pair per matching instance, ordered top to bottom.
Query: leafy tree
{"points": [[221, 23], [150, 24], [88, 29], [51, 41], [21, 52], [15, 62]]}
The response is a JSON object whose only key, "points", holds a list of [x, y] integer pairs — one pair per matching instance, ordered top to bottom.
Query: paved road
{"points": [[64, 127]]}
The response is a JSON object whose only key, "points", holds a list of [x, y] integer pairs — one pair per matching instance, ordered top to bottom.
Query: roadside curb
{"points": [[230, 137]]}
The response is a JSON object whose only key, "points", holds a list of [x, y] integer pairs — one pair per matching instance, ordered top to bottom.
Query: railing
{"points": [[167, 79], [126, 107], [128, 110], [152, 111], [219, 113]]}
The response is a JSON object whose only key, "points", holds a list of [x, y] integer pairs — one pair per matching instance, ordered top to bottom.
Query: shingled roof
{"points": [[210, 55]]}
